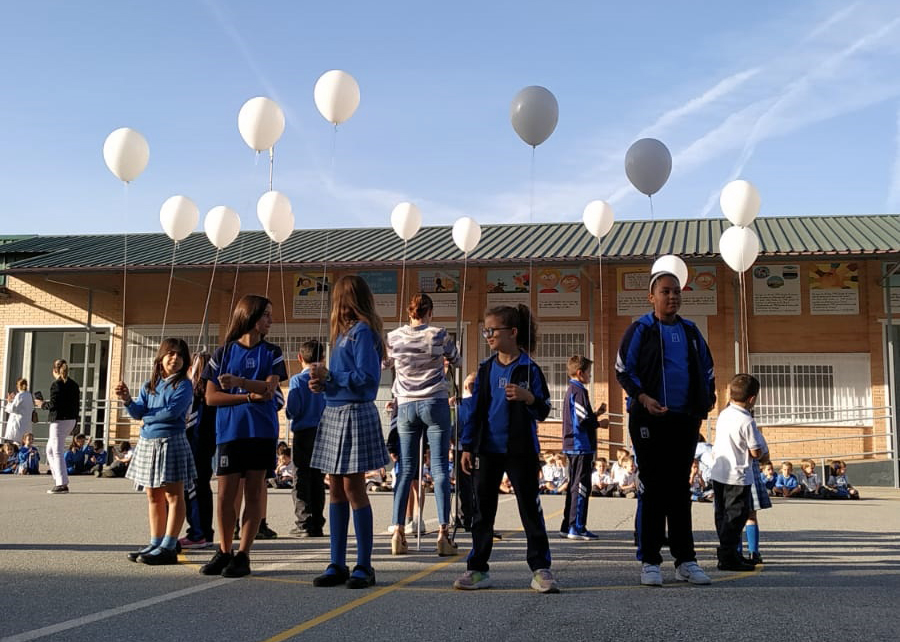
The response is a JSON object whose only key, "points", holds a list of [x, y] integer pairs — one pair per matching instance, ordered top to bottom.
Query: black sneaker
{"points": [[58, 490], [265, 532], [165, 556], [755, 559], [217, 564], [734, 564], [239, 566], [334, 575], [361, 577]]}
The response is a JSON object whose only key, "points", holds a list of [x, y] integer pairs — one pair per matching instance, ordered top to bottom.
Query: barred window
{"points": [[143, 343], [556, 343], [822, 389]]}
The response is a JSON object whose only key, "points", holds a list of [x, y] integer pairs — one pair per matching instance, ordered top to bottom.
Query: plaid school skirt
{"points": [[349, 440], [161, 461], [759, 494]]}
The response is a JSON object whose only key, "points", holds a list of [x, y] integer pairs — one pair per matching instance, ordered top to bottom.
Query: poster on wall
{"points": [[894, 281], [383, 284], [442, 286], [507, 287], [834, 288], [776, 290], [631, 291], [559, 292], [311, 295], [699, 297]]}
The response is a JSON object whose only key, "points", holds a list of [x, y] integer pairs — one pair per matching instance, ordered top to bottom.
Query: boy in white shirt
{"points": [[737, 441], [626, 478]]}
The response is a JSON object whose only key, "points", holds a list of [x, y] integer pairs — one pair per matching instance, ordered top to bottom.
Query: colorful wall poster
{"points": [[894, 281], [383, 284], [442, 286], [507, 287], [834, 288], [776, 290], [559, 291], [631, 291], [699, 297], [311, 299]]}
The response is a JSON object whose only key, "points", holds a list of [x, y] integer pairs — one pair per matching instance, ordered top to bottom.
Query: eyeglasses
{"points": [[487, 333]]}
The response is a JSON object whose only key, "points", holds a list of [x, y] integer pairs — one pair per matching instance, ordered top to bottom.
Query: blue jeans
{"points": [[431, 417]]}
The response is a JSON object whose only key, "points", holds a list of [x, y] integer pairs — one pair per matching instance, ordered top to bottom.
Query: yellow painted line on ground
{"points": [[374, 595]]}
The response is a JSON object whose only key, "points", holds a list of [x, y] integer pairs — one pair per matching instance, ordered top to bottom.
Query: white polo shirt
{"points": [[736, 436]]}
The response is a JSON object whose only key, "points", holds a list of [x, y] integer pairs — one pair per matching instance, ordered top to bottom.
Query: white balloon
{"points": [[336, 95], [534, 113], [261, 123], [126, 153], [648, 164], [740, 202], [272, 210], [178, 217], [598, 218], [406, 219], [221, 225], [280, 232], [466, 234], [739, 247], [672, 264]]}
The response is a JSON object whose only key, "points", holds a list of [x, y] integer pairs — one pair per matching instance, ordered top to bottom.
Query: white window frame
{"points": [[143, 343], [553, 363], [821, 389]]}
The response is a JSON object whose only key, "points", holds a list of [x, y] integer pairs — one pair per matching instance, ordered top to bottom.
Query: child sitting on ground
{"points": [[76, 457], [96, 457], [8, 459], [29, 459], [121, 460], [285, 470], [769, 477], [626, 478], [809, 480], [602, 484], [787, 484], [838, 485], [699, 490]]}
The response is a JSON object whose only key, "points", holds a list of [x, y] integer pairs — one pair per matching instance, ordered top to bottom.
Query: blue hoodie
{"points": [[165, 412]]}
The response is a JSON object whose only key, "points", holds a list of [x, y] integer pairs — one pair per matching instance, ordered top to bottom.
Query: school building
{"points": [[817, 317]]}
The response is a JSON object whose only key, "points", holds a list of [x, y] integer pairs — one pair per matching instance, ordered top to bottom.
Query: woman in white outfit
{"points": [[64, 403], [19, 405]]}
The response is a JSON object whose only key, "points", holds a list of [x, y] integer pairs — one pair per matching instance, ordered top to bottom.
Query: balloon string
{"points": [[333, 152], [271, 165], [651, 207], [531, 257], [269, 268], [237, 270], [124, 277], [402, 284], [169, 290], [324, 292], [203, 330], [602, 342], [287, 361]]}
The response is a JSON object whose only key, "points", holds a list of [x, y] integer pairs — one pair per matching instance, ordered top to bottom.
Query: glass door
{"points": [[87, 366]]}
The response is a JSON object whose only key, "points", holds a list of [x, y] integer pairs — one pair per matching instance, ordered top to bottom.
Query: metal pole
{"points": [[87, 356], [890, 380]]}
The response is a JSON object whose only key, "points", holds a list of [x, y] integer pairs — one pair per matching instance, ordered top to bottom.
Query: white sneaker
{"points": [[691, 572], [651, 575]]}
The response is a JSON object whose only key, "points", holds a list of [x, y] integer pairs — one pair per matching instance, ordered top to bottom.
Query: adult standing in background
{"points": [[417, 351], [666, 369], [19, 405], [64, 405]]}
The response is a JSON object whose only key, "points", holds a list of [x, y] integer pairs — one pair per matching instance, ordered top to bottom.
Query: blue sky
{"points": [[801, 98]]}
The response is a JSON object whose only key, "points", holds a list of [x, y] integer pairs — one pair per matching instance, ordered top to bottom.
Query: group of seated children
{"points": [[85, 459], [20, 460], [119, 465], [554, 478], [619, 481], [807, 484]]}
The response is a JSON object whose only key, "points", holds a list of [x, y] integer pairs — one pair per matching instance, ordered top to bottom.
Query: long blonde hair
{"points": [[352, 301]]}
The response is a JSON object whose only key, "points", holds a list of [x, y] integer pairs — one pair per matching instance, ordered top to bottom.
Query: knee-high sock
{"points": [[339, 514], [362, 523], [753, 538]]}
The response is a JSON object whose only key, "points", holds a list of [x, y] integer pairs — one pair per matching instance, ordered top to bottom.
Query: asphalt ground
{"points": [[832, 571]]}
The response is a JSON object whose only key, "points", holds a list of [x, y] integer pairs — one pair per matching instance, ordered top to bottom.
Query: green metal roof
{"points": [[628, 241]]}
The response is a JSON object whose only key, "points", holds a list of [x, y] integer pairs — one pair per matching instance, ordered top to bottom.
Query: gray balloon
{"points": [[534, 113], [648, 164]]}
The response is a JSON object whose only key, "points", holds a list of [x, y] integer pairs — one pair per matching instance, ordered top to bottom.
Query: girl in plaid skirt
{"points": [[349, 441], [162, 460]]}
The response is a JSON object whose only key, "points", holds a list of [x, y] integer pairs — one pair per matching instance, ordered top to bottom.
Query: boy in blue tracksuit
{"points": [[304, 409], [580, 445], [29, 457]]}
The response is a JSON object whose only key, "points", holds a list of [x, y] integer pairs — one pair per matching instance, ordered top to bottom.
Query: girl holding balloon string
{"points": [[242, 379], [349, 441]]}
